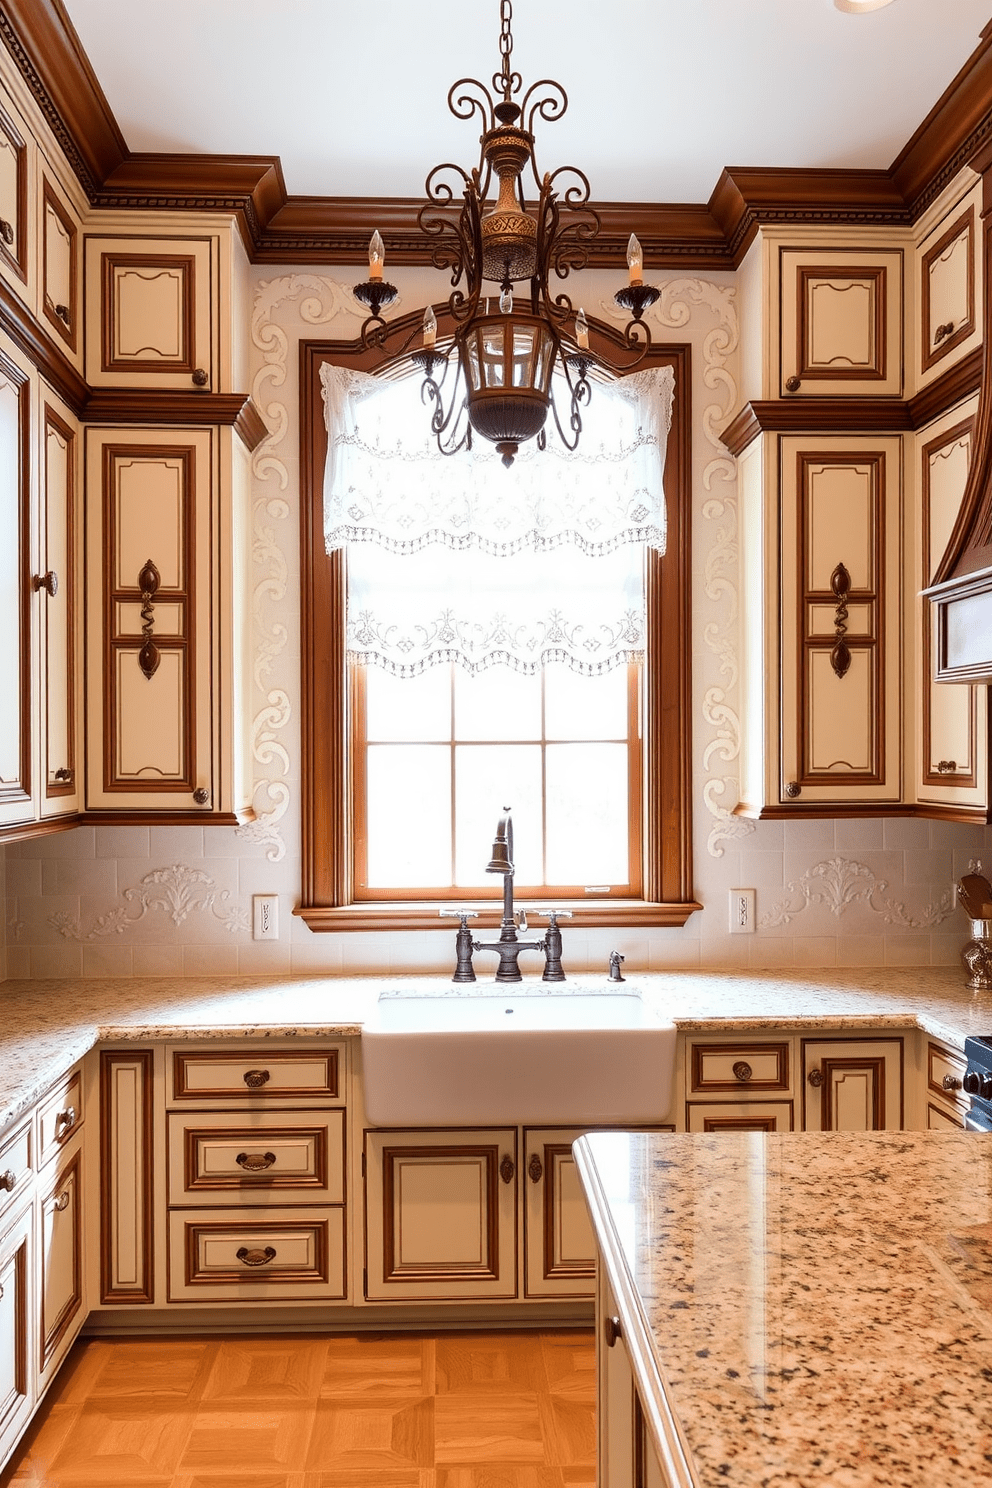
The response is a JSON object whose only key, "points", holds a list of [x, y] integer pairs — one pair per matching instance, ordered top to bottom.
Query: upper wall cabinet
{"points": [[15, 162], [60, 266], [948, 309], [150, 312], [840, 322]]}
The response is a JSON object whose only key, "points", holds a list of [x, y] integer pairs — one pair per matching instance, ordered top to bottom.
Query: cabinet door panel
{"points": [[13, 196], [59, 266], [948, 289], [149, 312], [841, 322], [15, 602], [58, 609], [840, 621], [149, 716], [852, 1085], [126, 1200], [441, 1214], [559, 1246], [61, 1264], [16, 1384]]}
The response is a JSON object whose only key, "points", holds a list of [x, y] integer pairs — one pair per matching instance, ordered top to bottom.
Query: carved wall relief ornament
{"points": [[148, 582], [840, 655], [839, 883], [178, 891]]}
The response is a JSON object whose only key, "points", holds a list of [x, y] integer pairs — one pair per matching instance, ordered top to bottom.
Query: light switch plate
{"points": [[742, 911], [265, 916]]}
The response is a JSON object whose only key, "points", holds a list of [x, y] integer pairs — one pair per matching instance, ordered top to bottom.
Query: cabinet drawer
{"points": [[946, 1065], [741, 1067], [259, 1074], [59, 1115], [760, 1116], [943, 1118], [281, 1158], [15, 1164], [277, 1255]]}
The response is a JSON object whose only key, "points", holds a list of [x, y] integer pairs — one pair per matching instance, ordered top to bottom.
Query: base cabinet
{"points": [[852, 1085], [60, 1238], [16, 1342]]}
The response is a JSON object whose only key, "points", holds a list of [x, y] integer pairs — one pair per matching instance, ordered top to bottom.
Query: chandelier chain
{"points": [[506, 42]]}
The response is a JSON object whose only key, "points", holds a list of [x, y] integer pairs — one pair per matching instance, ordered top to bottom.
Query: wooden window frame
{"points": [[327, 897]]}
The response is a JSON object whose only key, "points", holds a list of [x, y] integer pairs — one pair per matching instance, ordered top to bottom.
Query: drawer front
{"points": [[946, 1065], [740, 1067], [259, 1075], [59, 1116], [760, 1116], [943, 1118], [284, 1157], [15, 1165], [278, 1255]]}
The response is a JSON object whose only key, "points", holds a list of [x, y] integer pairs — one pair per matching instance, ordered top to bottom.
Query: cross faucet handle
{"points": [[459, 914], [553, 915]]}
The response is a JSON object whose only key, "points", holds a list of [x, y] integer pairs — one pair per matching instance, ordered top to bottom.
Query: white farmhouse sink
{"points": [[558, 1060]]}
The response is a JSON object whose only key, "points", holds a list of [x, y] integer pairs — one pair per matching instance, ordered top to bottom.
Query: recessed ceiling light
{"points": [[859, 7]]}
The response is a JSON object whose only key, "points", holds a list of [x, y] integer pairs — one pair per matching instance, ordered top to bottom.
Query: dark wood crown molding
{"points": [[278, 228], [152, 406]]}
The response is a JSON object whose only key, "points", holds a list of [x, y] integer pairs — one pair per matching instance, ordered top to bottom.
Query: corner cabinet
{"points": [[165, 614]]}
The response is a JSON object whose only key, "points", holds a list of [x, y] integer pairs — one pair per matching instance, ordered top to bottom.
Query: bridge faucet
{"points": [[509, 945]]}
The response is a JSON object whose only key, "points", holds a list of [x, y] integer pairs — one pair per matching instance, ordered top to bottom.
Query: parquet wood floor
{"points": [[465, 1410]]}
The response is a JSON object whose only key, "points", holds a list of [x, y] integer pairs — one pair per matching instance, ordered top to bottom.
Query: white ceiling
{"points": [[662, 93]]}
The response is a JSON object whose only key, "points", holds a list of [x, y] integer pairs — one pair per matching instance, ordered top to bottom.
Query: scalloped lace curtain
{"points": [[458, 559]]}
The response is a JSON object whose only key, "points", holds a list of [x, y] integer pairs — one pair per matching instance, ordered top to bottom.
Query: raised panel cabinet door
{"points": [[14, 168], [59, 265], [950, 288], [149, 312], [841, 322], [150, 501], [16, 595], [57, 600], [840, 620], [952, 717], [852, 1084], [127, 1176], [440, 1214], [559, 1246], [60, 1263], [16, 1356], [615, 1394]]}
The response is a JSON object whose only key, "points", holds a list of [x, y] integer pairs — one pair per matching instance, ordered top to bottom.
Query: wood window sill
{"points": [[621, 914]]}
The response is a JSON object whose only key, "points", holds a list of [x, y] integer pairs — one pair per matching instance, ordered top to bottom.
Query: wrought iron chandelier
{"points": [[501, 383]]}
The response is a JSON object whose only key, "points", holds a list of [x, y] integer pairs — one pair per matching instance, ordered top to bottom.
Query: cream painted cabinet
{"points": [[16, 167], [61, 266], [949, 304], [150, 312], [840, 322], [56, 588], [17, 606], [840, 620], [165, 621], [952, 766], [739, 1084], [852, 1084], [946, 1103], [441, 1214], [60, 1243], [559, 1247], [17, 1344], [626, 1453]]}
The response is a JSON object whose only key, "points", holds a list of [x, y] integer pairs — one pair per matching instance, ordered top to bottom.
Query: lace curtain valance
{"points": [[386, 483]]}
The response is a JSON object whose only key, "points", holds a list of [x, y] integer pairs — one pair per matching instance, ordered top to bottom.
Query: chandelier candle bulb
{"points": [[377, 256], [635, 260], [430, 328], [582, 331]]}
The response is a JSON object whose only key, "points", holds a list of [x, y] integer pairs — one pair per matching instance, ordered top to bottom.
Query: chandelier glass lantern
{"points": [[512, 332]]}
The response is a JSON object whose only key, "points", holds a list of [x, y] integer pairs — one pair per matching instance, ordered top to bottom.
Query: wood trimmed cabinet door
{"points": [[60, 298], [949, 311], [149, 312], [841, 322], [56, 588], [16, 603], [840, 620], [165, 642], [952, 764], [852, 1084], [441, 1214], [60, 1235], [559, 1245], [17, 1371]]}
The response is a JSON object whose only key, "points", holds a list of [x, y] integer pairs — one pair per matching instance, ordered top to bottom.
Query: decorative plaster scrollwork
{"points": [[838, 883], [177, 891]]}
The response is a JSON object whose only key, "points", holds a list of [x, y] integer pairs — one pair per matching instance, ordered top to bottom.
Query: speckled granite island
{"points": [[800, 1309]]}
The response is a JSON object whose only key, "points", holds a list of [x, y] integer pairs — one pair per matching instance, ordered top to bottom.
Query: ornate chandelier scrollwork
{"points": [[507, 347]]}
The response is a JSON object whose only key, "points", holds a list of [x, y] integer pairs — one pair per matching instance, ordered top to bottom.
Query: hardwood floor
{"points": [[459, 1410]]}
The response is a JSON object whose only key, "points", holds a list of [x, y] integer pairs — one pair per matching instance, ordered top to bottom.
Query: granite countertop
{"points": [[48, 1025], [804, 1309]]}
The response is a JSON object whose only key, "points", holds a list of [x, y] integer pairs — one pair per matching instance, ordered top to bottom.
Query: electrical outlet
{"points": [[742, 911], [265, 916]]}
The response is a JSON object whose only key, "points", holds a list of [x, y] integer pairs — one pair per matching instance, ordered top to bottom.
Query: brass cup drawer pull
{"points": [[742, 1071], [815, 1078], [255, 1079], [65, 1121], [255, 1162], [535, 1168], [8, 1180], [256, 1257], [612, 1331]]}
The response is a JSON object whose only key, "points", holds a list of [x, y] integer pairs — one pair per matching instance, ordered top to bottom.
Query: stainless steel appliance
{"points": [[978, 1083]]}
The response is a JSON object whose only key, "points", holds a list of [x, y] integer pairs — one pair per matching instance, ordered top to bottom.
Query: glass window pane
{"points": [[497, 704], [580, 707], [410, 708], [488, 779], [587, 814], [409, 816]]}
